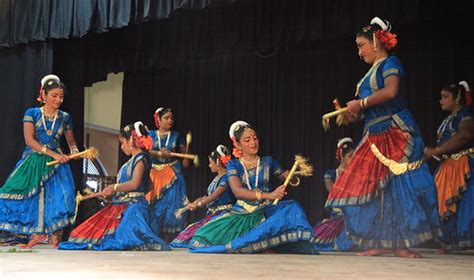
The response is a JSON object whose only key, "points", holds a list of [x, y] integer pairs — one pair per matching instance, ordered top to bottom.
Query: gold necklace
{"points": [[251, 162]]}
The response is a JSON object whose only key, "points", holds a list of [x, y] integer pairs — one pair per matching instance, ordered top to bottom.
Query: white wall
{"points": [[103, 103], [102, 112]]}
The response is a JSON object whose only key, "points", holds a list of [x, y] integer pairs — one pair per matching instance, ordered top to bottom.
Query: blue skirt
{"points": [[170, 200], [49, 210], [404, 215], [285, 229], [132, 232]]}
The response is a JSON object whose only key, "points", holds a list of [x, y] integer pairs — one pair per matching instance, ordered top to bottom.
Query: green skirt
{"points": [[28, 177], [226, 228]]}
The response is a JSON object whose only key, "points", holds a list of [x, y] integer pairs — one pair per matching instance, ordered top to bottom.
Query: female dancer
{"points": [[454, 177], [169, 189], [36, 199], [218, 200], [386, 210], [125, 223], [253, 224], [330, 234]]}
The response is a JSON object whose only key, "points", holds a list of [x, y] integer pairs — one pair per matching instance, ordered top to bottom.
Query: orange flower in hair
{"points": [[388, 39], [144, 142], [237, 153], [225, 159]]}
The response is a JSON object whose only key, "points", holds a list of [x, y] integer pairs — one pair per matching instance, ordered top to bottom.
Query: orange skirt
{"points": [[160, 179], [451, 182]]}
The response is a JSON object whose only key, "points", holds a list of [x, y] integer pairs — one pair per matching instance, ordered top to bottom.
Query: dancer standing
{"points": [[36, 199], [385, 211]]}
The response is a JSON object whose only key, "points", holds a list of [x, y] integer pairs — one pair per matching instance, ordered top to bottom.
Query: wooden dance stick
{"points": [[326, 117], [189, 139], [90, 153], [194, 158], [305, 169], [288, 178], [80, 198], [179, 213]]}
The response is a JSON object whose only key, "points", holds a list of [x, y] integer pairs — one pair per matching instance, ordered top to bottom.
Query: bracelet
{"points": [[365, 102], [361, 103], [73, 149], [44, 150], [297, 183], [115, 188], [258, 194], [199, 204]]}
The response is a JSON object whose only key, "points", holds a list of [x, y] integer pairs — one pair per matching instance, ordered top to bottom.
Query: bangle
{"points": [[365, 102], [361, 103], [73, 149], [44, 150], [297, 183], [116, 187], [258, 194], [199, 204]]}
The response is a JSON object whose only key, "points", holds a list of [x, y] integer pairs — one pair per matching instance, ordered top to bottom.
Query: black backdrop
{"points": [[276, 64]]}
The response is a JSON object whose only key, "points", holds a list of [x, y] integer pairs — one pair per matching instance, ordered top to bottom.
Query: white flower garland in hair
{"points": [[384, 25], [49, 77], [465, 85], [136, 125], [236, 125], [343, 141], [221, 150]]}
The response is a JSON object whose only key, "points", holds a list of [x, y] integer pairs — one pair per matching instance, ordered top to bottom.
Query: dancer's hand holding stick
{"points": [[90, 153], [305, 169]]}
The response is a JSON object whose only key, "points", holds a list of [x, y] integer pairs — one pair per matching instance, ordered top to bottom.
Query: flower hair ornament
{"points": [[388, 39], [43, 81], [467, 93], [156, 116], [235, 126], [142, 141], [342, 144], [223, 157]]}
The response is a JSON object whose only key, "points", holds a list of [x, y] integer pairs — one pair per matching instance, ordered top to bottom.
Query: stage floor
{"points": [[48, 263]]}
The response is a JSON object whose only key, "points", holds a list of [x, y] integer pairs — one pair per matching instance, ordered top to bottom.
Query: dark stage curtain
{"points": [[37, 20], [20, 73]]}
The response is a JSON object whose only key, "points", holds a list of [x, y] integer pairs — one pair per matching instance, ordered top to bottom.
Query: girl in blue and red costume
{"points": [[455, 176], [383, 212], [125, 223], [331, 233]]}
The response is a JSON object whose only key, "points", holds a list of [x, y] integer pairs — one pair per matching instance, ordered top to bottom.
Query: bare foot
{"points": [[35, 239], [55, 239], [374, 252], [405, 253]]}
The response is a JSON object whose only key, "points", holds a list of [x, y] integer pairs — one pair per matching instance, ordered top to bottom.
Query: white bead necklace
{"points": [[167, 139], [247, 177]]}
